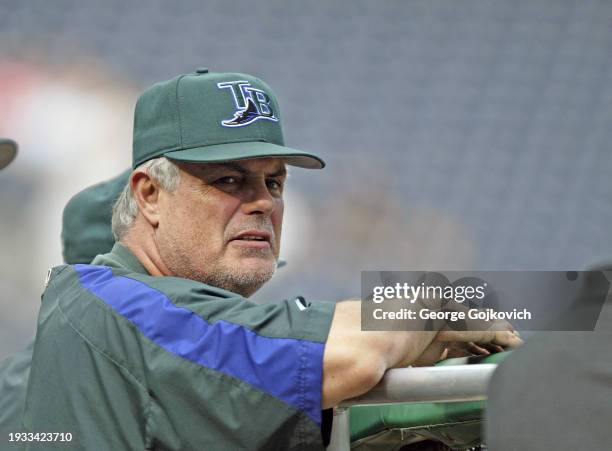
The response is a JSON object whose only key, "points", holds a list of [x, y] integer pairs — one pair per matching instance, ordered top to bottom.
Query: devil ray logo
{"points": [[251, 104]]}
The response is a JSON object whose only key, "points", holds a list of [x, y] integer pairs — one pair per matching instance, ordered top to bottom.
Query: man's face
{"points": [[222, 225]]}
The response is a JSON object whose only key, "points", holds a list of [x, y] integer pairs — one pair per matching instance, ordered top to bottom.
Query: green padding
{"points": [[369, 420]]}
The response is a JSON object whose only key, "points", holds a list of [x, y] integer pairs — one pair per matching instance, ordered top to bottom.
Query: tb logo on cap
{"points": [[251, 104]]}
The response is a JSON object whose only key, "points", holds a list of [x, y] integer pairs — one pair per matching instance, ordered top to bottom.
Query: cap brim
{"points": [[8, 150], [247, 150]]}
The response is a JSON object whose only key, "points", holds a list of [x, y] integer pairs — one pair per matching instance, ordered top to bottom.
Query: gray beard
{"points": [[237, 280], [243, 283]]}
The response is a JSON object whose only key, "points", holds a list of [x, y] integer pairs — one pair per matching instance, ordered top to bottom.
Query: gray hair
{"points": [[125, 209]]}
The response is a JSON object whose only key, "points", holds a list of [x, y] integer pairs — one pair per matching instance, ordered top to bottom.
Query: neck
{"points": [[140, 240]]}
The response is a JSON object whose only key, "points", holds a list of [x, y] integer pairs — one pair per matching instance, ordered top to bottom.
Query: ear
{"points": [[146, 193]]}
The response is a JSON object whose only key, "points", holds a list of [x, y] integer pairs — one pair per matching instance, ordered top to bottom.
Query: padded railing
{"points": [[453, 383]]}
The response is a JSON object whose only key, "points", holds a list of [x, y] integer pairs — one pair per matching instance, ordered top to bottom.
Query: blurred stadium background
{"points": [[458, 135]]}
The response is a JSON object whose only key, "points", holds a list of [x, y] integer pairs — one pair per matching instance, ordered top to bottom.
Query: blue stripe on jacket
{"points": [[286, 368]]}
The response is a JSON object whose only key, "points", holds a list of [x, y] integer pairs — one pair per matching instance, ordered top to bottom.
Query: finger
{"points": [[500, 325], [463, 336], [506, 339], [493, 348], [478, 350], [456, 351], [430, 355], [444, 355]]}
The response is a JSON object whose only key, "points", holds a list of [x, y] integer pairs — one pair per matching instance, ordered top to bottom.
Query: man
{"points": [[86, 232], [156, 345]]}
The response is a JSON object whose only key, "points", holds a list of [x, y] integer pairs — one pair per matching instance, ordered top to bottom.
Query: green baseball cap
{"points": [[209, 117], [8, 150], [86, 221]]}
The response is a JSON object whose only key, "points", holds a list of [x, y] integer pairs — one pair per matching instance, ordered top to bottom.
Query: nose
{"points": [[258, 199]]}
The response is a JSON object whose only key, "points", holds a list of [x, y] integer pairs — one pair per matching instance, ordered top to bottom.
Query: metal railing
{"points": [[454, 383]]}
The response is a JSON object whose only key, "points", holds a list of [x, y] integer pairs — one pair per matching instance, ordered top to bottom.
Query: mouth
{"points": [[253, 239]]}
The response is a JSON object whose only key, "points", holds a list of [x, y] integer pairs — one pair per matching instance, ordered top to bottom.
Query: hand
{"points": [[500, 336], [469, 349], [440, 350], [435, 352]]}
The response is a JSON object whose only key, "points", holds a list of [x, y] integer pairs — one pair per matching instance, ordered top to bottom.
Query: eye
{"points": [[228, 180], [229, 183], [274, 185]]}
